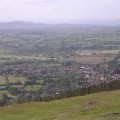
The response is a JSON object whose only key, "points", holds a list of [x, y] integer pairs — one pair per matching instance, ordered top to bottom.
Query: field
{"points": [[98, 52], [12, 58], [92, 59], [12, 79], [33, 87], [100, 106]]}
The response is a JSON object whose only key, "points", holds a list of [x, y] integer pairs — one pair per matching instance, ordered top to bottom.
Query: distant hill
{"points": [[98, 22], [108, 23], [74, 24], [19, 25], [22, 25], [100, 106]]}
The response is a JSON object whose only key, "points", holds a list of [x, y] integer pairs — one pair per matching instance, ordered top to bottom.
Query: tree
{"points": [[7, 81], [3, 99]]}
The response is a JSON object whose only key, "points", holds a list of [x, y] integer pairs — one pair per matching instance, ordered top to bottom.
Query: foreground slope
{"points": [[100, 106]]}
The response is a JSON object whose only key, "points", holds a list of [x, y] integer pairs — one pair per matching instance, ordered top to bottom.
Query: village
{"points": [[55, 77]]}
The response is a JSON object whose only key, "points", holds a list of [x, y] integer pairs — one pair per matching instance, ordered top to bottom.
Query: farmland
{"points": [[92, 59], [58, 62], [12, 79]]}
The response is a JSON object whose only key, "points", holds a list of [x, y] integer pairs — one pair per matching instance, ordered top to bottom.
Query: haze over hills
{"points": [[115, 22], [74, 23], [21, 25]]}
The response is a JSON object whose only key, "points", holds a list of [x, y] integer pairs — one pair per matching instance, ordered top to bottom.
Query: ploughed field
{"points": [[92, 59], [100, 106]]}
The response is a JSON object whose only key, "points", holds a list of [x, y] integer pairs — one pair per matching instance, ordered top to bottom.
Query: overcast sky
{"points": [[50, 11]]}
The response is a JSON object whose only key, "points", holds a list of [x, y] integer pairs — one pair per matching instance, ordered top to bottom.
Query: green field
{"points": [[33, 87], [100, 106]]}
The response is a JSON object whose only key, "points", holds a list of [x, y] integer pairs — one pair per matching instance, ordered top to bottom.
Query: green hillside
{"points": [[100, 106]]}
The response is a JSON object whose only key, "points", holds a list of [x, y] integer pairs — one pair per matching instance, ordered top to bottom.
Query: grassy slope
{"points": [[100, 106]]}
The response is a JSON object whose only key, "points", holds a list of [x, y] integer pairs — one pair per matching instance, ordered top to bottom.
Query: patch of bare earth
{"points": [[88, 105]]}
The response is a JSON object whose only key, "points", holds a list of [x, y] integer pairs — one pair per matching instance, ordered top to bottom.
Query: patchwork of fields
{"points": [[60, 62]]}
